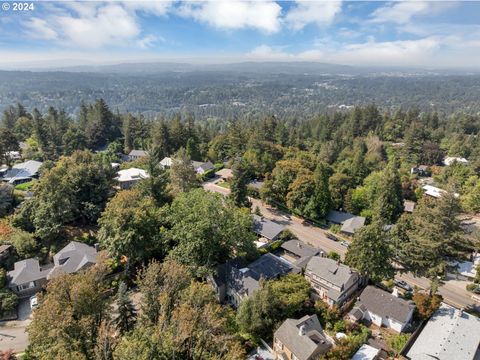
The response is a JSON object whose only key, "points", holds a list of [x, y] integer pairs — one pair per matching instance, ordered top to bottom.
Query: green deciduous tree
{"points": [[182, 174], [207, 230]]}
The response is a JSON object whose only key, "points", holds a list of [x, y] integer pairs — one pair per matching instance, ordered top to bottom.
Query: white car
{"points": [[33, 302]]}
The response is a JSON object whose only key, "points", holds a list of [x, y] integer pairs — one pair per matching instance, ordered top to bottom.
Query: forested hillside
{"points": [[239, 91]]}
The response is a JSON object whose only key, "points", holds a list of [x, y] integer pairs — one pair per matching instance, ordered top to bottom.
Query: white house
{"points": [[449, 160], [166, 162], [129, 177], [382, 309]]}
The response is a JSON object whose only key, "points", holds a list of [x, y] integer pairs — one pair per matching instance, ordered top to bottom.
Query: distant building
{"points": [[137, 154], [450, 160], [166, 162], [202, 167], [421, 170], [23, 172], [225, 174], [129, 177], [434, 191], [350, 223], [267, 229], [235, 281], [331, 281], [382, 309], [450, 334], [301, 339]]}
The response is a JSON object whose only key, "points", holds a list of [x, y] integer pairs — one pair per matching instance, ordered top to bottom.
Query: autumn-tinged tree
{"points": [[426, 304], [66, 324]]}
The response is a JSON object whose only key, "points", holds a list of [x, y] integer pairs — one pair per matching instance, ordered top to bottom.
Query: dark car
{"points": [[332, 237], [402, 284]]}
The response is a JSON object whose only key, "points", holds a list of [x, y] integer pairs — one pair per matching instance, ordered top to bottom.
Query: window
{"points": [[26, 286]]}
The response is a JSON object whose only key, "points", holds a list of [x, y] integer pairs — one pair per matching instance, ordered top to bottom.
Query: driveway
{"points": [[453, 291], [13, 334]]}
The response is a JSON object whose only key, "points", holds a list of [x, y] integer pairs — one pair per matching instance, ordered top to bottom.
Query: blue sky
{"points": [[408, 33]]}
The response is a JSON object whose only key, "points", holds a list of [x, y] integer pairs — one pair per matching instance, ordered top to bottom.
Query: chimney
{"points": [[97, 247], [322, 253], [395, 291], [459, 312], [301, 330]]}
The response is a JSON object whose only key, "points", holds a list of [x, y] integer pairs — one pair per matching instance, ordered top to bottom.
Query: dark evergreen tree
{"points": [[238, 184], [126, 313]]}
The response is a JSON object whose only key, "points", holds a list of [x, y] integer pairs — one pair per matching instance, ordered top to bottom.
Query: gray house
{"points": [[137, 154], [202, 167], [23, 172], [350, 223], [267, 229], [299, 253], [28, 277], [235, 281], [331, 281], [382, 309], [301, 339]]}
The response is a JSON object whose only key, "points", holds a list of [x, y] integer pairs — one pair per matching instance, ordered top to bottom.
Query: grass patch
{"points": [[224, 185], [25, 186]]}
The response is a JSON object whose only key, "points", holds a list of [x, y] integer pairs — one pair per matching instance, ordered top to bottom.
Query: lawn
{"points": [[25, 186]]}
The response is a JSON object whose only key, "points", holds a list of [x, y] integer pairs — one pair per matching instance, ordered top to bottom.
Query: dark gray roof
{"points": [[140, 153], [338, 217], [350, 226], [266, 228], [299, 248], [72, 258], [26, 271], [334, 272], [245, 280], [384, 304], [303, 344]]}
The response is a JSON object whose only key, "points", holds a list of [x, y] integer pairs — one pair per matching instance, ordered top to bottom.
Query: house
{"points": [[137, 154], [13, 155], [450, 160], [166, 162], [202, 167], [421, 170], [23, 172], [225, 174], [129, 177], [435, 192], [409, 206], [350, 223], [266, 229], [299, 253], [72, 258], [466, 270], [28, 277], [235, 281], [331, 281], [382, 309], [449, 334], [301, 339], [366, 352]]}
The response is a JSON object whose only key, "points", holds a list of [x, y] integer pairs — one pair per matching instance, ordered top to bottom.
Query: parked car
{"points": [[332, 237], [344, 243], [402, 284], [33, 302]]}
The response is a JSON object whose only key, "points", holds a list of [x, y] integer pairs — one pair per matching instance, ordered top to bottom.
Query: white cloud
{"points": [[157, 8], [403, 12], [321, 13], [232, 15], [108, 25], [36, 28], [148, 41], [265, 52]]}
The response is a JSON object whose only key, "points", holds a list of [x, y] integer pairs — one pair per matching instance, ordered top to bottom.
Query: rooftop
{"points": [[140, 153], [205, 166], [23, 170], [131, 175], [408, 206], [350, 223], [266, 228], [299, 248], [72, 258], [28, 270], [385, 304], [449, 334], [303, 337], [366, 352]]}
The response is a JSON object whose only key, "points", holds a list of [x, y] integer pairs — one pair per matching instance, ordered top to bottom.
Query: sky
{"points": [[425, 34]]}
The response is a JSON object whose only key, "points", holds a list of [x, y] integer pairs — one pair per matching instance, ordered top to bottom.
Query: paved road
{"points": [[453, 291], [13, 334]]}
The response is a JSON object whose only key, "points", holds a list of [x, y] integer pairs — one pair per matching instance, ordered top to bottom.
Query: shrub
{"points": [[335, 228], [24, 243], [333, 255], [8, 301], [426, 304], [398, 342]]}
